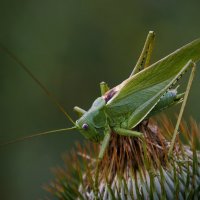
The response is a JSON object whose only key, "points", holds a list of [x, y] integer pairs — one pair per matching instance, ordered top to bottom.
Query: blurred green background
{"points": [[71, 46]]}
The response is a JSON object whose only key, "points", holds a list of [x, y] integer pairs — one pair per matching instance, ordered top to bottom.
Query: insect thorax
{"points": [[94, 121]]}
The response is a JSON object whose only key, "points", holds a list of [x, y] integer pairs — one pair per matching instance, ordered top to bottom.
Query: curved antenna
{"points": [[48, 93], [36, 135]]}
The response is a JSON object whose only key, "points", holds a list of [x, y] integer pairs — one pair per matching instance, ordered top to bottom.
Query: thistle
{"points": [[132, 170]]}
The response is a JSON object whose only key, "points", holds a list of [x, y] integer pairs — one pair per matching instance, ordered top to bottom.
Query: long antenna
{"points": [[48, 93], [36, 135]]}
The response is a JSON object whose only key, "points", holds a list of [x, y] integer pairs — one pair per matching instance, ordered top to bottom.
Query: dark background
{"points": [[71, 46]]}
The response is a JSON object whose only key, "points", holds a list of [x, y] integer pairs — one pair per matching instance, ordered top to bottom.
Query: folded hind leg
{"points": [[146, 53]]}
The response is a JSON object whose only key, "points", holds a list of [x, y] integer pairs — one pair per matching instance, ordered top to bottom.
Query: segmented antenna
{"points": [[48, 93], [36, 135]]}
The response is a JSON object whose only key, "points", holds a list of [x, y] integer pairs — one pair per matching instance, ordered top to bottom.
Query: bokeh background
{"points": [[71, 46]]}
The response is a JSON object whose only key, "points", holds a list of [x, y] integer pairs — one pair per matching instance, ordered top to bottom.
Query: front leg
{"points": [[80, 112], [104, 145]]}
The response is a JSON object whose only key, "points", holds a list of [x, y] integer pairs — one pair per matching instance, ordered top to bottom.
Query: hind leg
{"points": [[145, 55], [182, 108]]}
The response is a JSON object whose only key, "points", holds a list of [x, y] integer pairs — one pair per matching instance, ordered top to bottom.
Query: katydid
{"points": [[147, 91], [122, 108]]}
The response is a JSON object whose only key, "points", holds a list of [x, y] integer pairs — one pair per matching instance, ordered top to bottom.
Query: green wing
{"points": [[137, 95]]}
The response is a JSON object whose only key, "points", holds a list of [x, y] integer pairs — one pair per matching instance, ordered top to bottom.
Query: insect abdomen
{"points": [[169, 99]]}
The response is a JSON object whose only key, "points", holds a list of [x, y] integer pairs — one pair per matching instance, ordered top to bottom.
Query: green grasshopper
{"points": [[146, 92]]}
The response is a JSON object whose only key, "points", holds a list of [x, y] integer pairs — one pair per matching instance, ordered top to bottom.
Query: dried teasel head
{"points": [[133, 168]]}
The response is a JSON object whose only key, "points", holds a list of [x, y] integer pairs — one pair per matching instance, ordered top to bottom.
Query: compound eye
{"points": [[85, 126]]}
